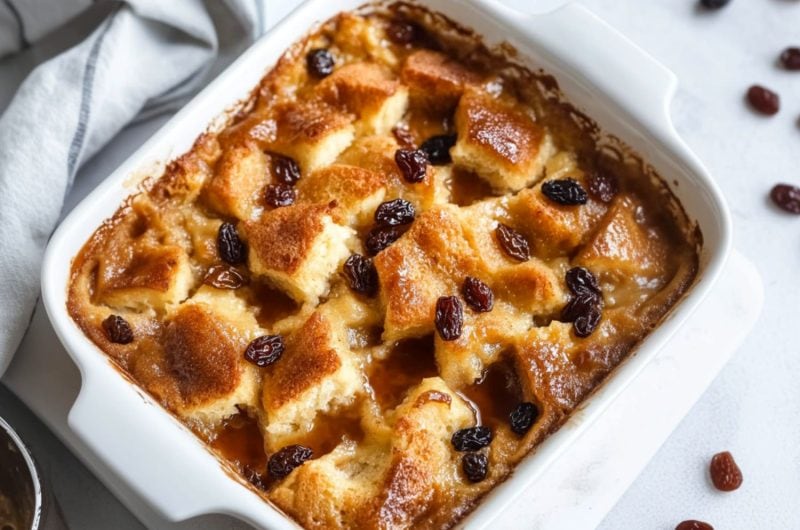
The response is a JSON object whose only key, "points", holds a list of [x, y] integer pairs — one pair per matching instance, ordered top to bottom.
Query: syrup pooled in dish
{"points": [[389, 277]]}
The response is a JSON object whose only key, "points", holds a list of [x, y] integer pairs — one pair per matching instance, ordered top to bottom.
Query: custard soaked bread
{"points": [[390, 277]]}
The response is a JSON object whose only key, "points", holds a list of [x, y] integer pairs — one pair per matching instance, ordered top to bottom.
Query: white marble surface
{"points": [[751, 408]]}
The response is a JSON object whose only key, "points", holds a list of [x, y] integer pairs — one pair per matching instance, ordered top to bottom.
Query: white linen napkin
{"points": [[147, 55]]}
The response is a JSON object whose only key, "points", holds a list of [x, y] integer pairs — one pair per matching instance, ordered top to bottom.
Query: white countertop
{"points": [[751, 409]]}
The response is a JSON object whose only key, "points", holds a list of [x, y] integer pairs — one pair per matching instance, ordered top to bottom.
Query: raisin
{"points": [[714, 4], [402, 32], [790, 58], [320, 62], [764, 100], [403, 137], [437, 148], [413, 163], [285, 169], [603, 186], [567, 192], [280, 194], [787, 197], [395, 213], [381, 237], [513, 243], [229, 245], [361, 274], [224, 277], [581, 281], [478, 295], [578, 306], [584, 307], [449, 317], [586, 323], [118, 330], [264, 350], [523, 417], [471, 438], [287, 459], [475, 466], [725, 474], [255, 478], [691, 524]]}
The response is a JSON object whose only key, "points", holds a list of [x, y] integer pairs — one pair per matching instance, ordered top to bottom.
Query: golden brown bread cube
{"points": [[435, 80], [368, 91], [500, 141], [238, 184], [357, 192], [297, 248], [204, 343]]}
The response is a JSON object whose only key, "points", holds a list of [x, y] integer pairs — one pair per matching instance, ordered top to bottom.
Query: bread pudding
{"points": [[398, 267]]}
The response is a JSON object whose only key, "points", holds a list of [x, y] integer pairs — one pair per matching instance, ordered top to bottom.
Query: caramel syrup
{"points": [[466, 187], [273, 305], [409, 362], [494, 395], [330, 431], [239, 441]]}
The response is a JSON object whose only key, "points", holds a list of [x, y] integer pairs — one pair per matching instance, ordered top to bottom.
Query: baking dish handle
{"points": [[588, 49]]}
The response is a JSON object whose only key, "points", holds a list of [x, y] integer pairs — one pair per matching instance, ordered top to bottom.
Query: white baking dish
{"points": [[627, 92]]}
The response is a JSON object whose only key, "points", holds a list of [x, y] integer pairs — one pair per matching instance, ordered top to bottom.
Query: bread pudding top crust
{"points": [[397, 269]]}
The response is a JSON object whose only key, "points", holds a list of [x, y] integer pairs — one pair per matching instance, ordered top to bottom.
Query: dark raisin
{"points": [[714, 4], [402, 32], [790, 58], [320, 62], [764, 100], [403, 137], [437, 148], [413, 163], [285, 169], [603, 186], [567, 192], [280, 194], [787, 197], [395, 213], [381, 237], [513, 243], [230, 247], [361, 275], [224, 277], [581, 281], [478, 295], [578, 306], [584, 308], [449, 317], [586, 323], [118, 330], [264, 350], [523, 417], [472, 438], [287, 459], [475, 466], [725, 474], [255, 478], [692, 524]]}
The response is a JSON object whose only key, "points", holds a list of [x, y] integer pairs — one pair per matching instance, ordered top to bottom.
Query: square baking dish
{"points": [[602, 73]]}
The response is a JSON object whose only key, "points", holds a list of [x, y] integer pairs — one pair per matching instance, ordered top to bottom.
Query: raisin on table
{"points": [[725, 474]]}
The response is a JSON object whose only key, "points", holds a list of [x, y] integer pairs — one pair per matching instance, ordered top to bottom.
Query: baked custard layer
{"points": [[402, 236]]}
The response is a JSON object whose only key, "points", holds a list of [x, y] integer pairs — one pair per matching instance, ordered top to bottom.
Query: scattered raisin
{"points": [[714, 4], [403, 32], [790, 58], [320, 62], [764, 100], [403, 137], [437, 148], [413, 163], [285, 169], [603, 186], [567, 192], [280, 194], [787, 197], [395, 213], [381, 237], [513, 243], [229, 245], [361, 274], [224, 277], [580, 280], [478, 295], [585, 304], [578, 306], [449, 317], [586, 323], [118, 330], [264, 350], [523, 417], [471, 438], [287, 459], [475, 466], [725, 474], [255, 478], [694, 525]]}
